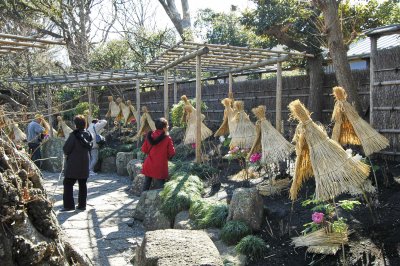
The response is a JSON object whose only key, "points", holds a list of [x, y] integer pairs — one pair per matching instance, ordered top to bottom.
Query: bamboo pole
{"points": [[23, 38], [26, 44], [374, 50], [194, 54], [271, 61], [230, 83], [386, 83], [166, 94], [138, 103], [49, 106], [198, 108], [278, 115]]}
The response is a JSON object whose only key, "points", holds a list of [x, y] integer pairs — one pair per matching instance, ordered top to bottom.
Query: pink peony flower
{"points": [[133, 121], [194, 145], [234, 150], [255, 157], [317, 217]]}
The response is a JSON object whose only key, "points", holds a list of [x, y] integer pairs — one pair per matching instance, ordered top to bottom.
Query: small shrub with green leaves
{"points": [[82, 106], [177, 112], [126, 148], [107, 152], [183, 152], [201, 170], [179, 193], [208, 214], [233, 231], [252, 246]]}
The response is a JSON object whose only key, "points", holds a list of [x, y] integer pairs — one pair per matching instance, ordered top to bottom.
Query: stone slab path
{"points": [[106, 231]]}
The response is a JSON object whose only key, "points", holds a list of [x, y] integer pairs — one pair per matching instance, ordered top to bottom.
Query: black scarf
{"points": [[157, 140]]}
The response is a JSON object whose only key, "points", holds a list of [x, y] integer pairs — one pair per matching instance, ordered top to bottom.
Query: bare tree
{"points": [[181, 23], [337, 48]]}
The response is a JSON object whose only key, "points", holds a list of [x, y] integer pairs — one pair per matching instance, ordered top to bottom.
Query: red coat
{"points": [[159, 148]]}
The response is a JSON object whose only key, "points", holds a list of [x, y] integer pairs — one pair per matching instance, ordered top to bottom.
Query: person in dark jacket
{"points": [[159, 148], [77, 150]]}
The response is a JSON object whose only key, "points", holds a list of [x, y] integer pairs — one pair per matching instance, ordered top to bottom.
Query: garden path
{"points": [[106, 231]]}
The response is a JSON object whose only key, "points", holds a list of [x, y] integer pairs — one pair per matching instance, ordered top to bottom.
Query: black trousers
{"points": [[34, 151], [157, 183], [68, 196]]}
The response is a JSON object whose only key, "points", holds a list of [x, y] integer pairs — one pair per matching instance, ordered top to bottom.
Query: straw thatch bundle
{"points": [[113, 108], [133, 114], [119, 117], [146, 123], [228, 123], [47, 127], [350, 128], [63, 129], [244, 131], [16, 133], [190, 134], [274, 147], [334, 171], [245, 174], [273, 187], [321, 242]]}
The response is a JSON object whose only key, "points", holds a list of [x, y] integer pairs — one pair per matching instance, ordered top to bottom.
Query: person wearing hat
{"points": [[34, 137]]}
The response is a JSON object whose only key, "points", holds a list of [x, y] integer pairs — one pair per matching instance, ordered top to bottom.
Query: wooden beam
{"points": [[23, 38], [12, 48], [374, 50], [194, 54], [256, 65], [387, 83], [230, 84], [89, 90], [175, 92], [49, 105], [166, 108], [198, 108], [278, 109]]}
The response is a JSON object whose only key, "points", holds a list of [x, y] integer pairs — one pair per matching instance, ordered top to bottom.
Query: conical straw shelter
{"points": [[228, 123], [350, 128], [244, 131]]}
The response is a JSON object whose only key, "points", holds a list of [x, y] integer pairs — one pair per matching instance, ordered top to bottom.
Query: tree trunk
{"points": [[182, 24], [338, 50], [314, 67]]}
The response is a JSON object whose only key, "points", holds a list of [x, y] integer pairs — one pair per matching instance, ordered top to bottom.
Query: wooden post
{"points": [[372, 59], [230, 84], [175, 92], [166, 94], [138, 103], [49, 105], [198, 108], [278, 113], [90, 116]]}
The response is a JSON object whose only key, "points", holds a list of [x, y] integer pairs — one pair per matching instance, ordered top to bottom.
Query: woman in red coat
{"points": [[159, 148]]}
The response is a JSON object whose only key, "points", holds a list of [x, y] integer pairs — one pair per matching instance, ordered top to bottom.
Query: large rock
{"points": [[53, 147], [122, 161], [108, 165], [134, 167], [137, 185], [247, 206], [148, 211], [182, 221], [177, 247]]}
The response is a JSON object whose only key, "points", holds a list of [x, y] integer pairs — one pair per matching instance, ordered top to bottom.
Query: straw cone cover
{"points": [[227, 124], [350, 128], [244, 131], [190, 134], [335, 173]]}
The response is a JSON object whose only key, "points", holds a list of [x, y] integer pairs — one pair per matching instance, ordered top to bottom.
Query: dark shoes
{"points": [[81, 208], [67, 209]]}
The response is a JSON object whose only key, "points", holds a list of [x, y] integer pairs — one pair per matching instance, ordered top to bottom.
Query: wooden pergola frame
{"points": [[10, 43], [219, 60]]}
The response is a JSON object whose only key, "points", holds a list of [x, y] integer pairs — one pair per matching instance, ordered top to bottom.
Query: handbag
{"points": [[100, 140]]}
